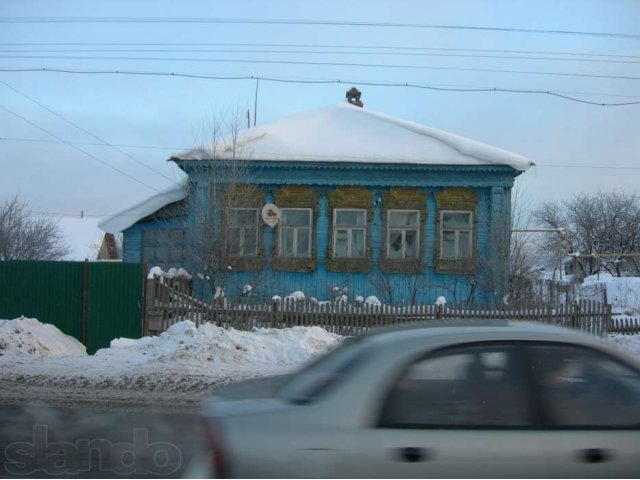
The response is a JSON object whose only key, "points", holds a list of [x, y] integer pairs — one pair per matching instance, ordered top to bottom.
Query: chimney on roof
{"points": [[353, 97]]}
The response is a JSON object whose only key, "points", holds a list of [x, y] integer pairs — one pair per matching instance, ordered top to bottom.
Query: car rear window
{"points": [[327, 371]]}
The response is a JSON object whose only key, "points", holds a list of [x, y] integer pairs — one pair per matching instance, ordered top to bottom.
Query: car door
{"points": [[591, 405], [464, 411]]}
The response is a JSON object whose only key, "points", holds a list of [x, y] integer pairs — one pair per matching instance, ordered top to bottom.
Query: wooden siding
{"points": [[486, 183], [132, 240]]}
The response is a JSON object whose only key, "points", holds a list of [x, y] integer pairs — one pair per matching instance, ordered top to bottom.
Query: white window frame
{"points": [[243, 227], [350, 229], [404, 230], [295, 233], [457, 235]]}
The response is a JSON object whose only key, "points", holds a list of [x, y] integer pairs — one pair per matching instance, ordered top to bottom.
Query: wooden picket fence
{"points": [[167, 305], [625, 325]]}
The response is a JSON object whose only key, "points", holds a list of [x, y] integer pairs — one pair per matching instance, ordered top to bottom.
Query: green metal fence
{"points": [[94, 302]]}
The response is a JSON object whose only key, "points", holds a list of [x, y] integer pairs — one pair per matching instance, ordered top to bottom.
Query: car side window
{"points": [[479, 386], [581, 387]]}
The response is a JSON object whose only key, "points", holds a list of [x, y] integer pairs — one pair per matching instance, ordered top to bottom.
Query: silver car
{"points": [[451, 399]]}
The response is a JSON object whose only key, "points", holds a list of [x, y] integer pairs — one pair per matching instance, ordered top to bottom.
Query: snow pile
{"points": [[169, 274], [623, 293], [296, 296], [373, 301], [24, 339], [627, 343], [209, 344], [184, 358]]}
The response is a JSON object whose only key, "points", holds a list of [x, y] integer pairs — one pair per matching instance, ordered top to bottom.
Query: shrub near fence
{"points": [[170, 306]]}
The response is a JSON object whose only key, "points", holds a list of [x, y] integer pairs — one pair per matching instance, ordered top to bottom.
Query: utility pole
{"points": [[255, 104]]}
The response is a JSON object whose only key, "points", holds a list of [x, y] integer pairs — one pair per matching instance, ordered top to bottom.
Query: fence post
{"points": [[85, 299], [143, 300]]}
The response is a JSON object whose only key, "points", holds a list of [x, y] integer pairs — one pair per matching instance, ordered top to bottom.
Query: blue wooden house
{"points": [[365, 201]]}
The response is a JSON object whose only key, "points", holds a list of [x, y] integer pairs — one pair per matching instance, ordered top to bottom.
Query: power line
{"points": [[335, 23], [307, 45], [327, 52], [330, 64], [319, 81], [454, 87], [37, 140], [103, 142], [151, 147], [78, 148], [602, 167], [82, 214]]}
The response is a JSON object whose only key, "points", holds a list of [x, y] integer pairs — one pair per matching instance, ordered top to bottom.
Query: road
{"points": [[95, 433]]}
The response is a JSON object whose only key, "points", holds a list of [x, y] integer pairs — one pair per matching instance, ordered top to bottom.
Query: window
{"points": [[243, 232], [295, 233], [349, 233], [403, 234], [456, 235], [164, 247], [326, 371], [460, 387], [581, 387]]}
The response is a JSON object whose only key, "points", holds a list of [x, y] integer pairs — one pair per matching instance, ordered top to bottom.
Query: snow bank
{"points": [[622, 292], [24, 338], [627, 343], [209, 344], [184, 358]]}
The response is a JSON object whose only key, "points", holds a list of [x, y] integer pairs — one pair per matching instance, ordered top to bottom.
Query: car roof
{"points": [[517, 328]]}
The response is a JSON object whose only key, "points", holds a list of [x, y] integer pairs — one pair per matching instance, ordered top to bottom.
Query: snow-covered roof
{"points": [[346, 133], [124, 219]]}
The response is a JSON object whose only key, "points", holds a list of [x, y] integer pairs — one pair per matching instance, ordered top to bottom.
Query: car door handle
{"points": [[413, 454], [595, 455]]}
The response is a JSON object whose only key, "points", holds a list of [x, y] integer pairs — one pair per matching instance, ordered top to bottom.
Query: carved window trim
{"points": [[247, 196], [296, 196], [350, 198], [404, 199], [457, 199], [282, 228], [350, 229], [404, 229], [457, 231], [240, 240]]}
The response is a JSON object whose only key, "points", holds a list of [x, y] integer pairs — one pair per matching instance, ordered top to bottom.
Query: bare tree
{"points": [[597, 224], [25, 236], [212, 247], [523, 258], [415, 283], [383, 284]]}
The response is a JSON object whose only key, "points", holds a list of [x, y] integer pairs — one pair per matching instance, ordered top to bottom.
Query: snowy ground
{"points": [[622, 292], [170, 372], [167, 373]]}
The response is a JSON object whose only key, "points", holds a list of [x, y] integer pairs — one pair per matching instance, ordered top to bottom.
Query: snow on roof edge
{"points": [[464, 145], [475, 150], [127, 217]]}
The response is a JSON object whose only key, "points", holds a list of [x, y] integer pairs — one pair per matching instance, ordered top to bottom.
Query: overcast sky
{"points": [[578, 147]]}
